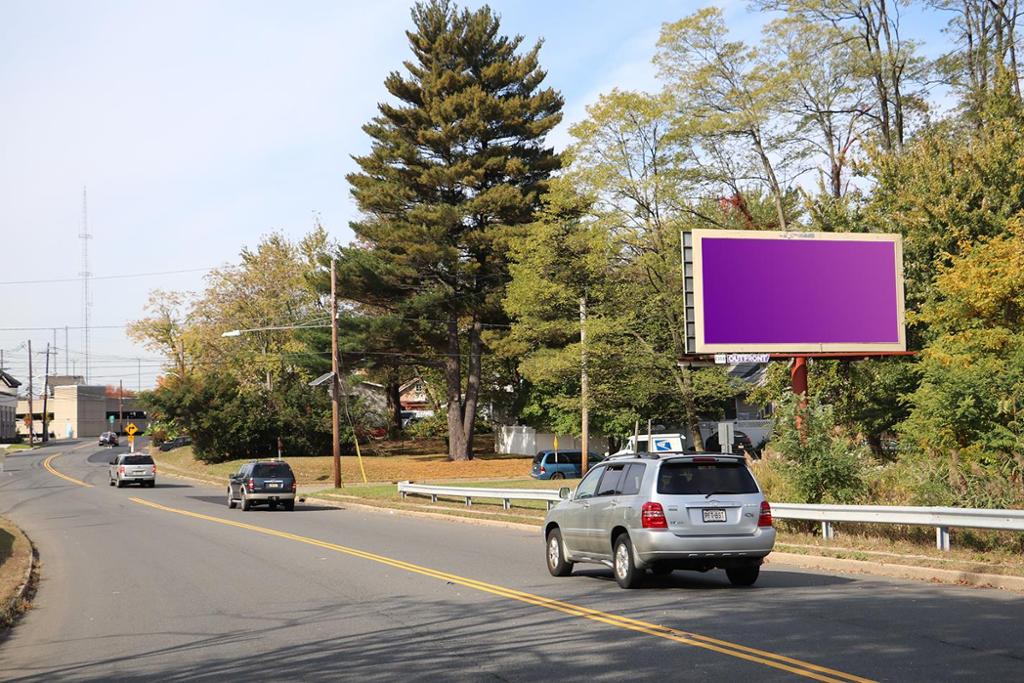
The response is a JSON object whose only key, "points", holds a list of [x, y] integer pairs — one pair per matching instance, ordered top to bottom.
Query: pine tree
{"points": [[457, 166]]}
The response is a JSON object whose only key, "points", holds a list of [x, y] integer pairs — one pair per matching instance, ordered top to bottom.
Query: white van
{"points": [[660, 443]]}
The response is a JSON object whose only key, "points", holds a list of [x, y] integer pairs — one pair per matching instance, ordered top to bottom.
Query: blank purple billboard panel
{"points": [[800, 291]]}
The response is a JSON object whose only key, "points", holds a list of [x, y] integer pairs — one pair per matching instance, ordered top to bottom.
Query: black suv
{"points": [[176, 442], [267, 481]]}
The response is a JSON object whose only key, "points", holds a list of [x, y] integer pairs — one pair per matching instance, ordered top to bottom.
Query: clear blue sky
{"points": [[200, 126]]}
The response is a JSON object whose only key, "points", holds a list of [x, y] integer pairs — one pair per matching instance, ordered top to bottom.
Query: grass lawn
{"points": [[319, 469], [388, 493], [15, 552]]}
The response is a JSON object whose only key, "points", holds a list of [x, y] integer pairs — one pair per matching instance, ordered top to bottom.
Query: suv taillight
{"points": [[120, 469], [542, 470], [251, 483], [295, 485], [766, 514], [652, 516]]}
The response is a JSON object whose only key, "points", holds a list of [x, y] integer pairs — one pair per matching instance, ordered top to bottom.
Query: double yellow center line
{"points": [[51, 470], [789, 664]]}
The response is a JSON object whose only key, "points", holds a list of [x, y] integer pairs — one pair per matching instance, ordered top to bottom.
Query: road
{"points": [[168, 584]]}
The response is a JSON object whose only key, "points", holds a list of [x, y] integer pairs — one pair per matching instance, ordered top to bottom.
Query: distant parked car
{"points": [[108, 439], [176, 442], [742, 444], [561, 464], [132, 468], [269, 481], [662, 512]]}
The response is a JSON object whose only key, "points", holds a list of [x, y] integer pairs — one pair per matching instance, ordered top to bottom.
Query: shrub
{"points": [[819, 463]]}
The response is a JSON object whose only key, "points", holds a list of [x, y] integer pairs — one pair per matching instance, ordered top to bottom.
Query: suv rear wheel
{"points": [[231, 501], [246, 505], [557, 564], [626, 573], [743, 576]]}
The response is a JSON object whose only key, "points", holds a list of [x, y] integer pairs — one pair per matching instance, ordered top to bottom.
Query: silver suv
{"points": [[132, 468], [663, 511]]}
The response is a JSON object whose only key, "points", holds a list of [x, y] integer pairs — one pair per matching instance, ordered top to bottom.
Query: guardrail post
{"points": [[433, 497], [469, 501], [506, 503], [551, 504], [827, 532], [942, 537]]}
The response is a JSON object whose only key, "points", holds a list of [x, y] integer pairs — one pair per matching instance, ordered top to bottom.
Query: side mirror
{"points": [[113, 461], [563, 493]]}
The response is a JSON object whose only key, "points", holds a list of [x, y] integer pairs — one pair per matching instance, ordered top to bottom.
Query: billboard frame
{"points": [[693, 274]]}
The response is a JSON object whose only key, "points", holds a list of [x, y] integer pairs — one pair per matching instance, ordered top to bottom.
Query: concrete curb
{"points": [[900, 571]]}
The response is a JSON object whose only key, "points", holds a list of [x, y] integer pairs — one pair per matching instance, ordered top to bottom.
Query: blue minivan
{"points": [[561, 464]]}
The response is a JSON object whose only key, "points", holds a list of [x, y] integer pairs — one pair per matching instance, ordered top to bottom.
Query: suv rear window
{"points": [[137, 460], [272, 470], [683, 478]]}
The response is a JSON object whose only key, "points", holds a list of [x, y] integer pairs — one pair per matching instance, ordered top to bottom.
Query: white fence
{"points": [[519, 440], [943, 519]]}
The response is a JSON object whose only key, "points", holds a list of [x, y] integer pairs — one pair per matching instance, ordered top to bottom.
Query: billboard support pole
{"points": [[798, 379]]}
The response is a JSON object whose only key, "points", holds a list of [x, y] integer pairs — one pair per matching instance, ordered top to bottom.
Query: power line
{"points": [[106, 277]]}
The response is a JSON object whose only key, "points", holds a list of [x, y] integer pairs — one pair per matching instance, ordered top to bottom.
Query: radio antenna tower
{"points": [[85, 275]]}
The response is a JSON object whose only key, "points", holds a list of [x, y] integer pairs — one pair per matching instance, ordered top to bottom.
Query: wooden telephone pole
{"points": [[335, 384], [46, 396], [31, 426]]}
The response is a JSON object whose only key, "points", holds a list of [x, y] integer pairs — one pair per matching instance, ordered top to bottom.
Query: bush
{"points": [[435, 426], [819, 463]]}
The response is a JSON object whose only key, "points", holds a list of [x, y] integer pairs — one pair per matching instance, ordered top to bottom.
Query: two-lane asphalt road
{"points": [[169, 584]]}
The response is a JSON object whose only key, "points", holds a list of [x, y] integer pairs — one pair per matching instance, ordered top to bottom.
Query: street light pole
{"points": [[335, 382], [584, 389]]}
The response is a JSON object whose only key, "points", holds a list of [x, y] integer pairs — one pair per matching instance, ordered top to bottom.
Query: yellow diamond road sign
{"points": [[131, 429]]}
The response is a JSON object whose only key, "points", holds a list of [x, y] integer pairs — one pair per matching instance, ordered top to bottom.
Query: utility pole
{"points": [[85, 236], [55, 370], [335, 383], [584, 387], [46, 396], [120, 406], [31, 427]]}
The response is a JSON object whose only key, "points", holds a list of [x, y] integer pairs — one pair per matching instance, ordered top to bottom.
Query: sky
{"points": [[197, 127]]}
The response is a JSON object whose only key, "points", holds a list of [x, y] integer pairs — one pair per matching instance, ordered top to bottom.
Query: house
{"points": [[414, 395], [8, 406]]}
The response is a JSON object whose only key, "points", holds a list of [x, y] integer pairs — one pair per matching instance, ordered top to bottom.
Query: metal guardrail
{"points": [[468, 493], [943, 519]]}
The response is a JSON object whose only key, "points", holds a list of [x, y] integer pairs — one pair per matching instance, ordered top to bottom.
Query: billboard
{"points": [[794, 292]]}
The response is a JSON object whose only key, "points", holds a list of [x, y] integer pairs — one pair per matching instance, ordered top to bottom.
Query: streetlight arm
{"points": [[239, 333]]}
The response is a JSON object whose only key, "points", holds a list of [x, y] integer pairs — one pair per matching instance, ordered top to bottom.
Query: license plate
{"points": [[273, 485], [714, 515]]}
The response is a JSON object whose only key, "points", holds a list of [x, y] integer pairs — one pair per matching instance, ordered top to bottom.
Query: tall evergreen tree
{"points": [[457, 166]]}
